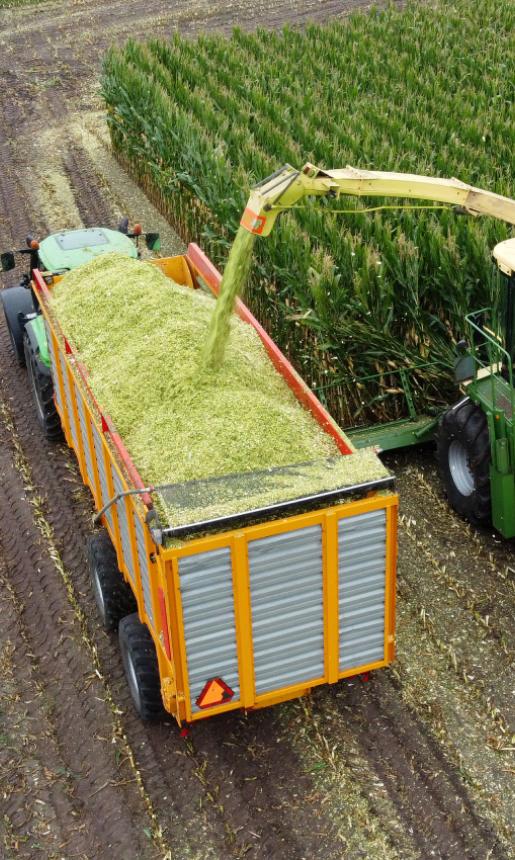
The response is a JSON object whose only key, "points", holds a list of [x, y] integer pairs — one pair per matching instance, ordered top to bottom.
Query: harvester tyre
{"points": [[43, 393], [464, 461], [113, 596], [141, 668]]}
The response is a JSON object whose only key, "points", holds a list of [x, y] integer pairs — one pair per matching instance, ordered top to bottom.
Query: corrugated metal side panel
{"points": [[53, 368], [69, 407], [84, 435], [102, 475], [123, 523], [143, 566], [362, 572], [286, 590], [209, 624]]}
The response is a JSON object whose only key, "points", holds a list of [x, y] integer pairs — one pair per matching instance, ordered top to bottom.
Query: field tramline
{"points": [[424, 89]]}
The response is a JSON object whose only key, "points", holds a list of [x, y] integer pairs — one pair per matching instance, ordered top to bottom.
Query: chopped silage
{"points": [[141, 338]]}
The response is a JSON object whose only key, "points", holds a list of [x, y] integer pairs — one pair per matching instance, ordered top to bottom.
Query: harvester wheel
{"points": [[43, 393], [464, 460], [113, 596], [141, 668]]}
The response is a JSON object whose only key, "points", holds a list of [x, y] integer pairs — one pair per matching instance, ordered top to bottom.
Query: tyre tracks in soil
{"points": [[466, 603], [421, 782], [39, 807]]}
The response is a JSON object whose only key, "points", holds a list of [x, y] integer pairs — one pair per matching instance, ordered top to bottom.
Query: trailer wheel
{"points": [[43, 393], [464, 460], [113, 596], [141, 668]]}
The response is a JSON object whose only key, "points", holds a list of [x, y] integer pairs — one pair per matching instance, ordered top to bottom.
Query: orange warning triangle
{"points": [[215, 692]]}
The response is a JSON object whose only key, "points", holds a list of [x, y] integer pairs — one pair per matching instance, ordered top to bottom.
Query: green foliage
{"points": [[426, 89]]}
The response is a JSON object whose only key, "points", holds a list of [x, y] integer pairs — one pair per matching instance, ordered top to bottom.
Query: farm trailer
{"points": [[263, 608]]}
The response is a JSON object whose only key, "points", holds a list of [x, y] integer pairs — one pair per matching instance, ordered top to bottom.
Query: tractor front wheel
{"points": [[43, 392], [464, 461]]}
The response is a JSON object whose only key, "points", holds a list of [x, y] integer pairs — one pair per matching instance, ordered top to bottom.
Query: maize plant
{"points": [[426, 89]]}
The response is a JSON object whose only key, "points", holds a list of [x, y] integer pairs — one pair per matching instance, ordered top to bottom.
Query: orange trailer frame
{"points": [[210, 589]]}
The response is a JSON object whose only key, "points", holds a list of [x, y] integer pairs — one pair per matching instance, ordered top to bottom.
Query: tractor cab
{"points": [[72, 248], [69, 249], [56, 254]]}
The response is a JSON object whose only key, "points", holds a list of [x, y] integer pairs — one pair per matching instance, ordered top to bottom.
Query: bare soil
{"points": [[416, 763]]}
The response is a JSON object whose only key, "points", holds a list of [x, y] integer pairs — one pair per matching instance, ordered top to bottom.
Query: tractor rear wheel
{"points": [[17, 303], [43, 393], [464, 460], [113, 596], [141, 668]]}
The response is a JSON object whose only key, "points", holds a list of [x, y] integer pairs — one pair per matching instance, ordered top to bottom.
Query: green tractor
{"points": [[56, 254]]}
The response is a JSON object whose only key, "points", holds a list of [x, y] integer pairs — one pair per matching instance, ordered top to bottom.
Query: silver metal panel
{"points": [[53, 368], [71, 414], [84, 435], [99, 451], [123, 523], [144, 566], [362, 572], [286, 589], [209, 624]]}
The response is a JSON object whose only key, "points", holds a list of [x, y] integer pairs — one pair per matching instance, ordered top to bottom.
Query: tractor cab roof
{"points": [[71, 248], [504, 253]]}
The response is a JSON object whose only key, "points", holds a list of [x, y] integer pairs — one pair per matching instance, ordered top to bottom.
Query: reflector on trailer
{"points": [[215, 692]]}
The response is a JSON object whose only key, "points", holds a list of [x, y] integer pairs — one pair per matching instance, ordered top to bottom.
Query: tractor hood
{"points": [[72, 248]]}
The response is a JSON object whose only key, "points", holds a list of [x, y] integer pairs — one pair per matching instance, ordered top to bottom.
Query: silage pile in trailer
{"points": [[141, 337]]}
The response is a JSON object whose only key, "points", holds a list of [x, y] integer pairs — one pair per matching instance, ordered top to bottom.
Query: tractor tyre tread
{"points": [[43, 390], [466, 423], [116, 600], [137, 646]]}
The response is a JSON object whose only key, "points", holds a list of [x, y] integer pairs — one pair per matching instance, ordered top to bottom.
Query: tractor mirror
{"points": [[153, 241], [7, 261]]}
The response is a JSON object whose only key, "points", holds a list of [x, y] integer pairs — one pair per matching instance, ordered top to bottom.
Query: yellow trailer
{"points": [[241, 612]]}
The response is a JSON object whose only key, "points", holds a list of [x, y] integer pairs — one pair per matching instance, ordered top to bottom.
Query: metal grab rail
{"points": [[495, 352], [402, 372]]}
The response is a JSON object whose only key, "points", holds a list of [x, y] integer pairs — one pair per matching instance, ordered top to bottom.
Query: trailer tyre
{"points": [[43, 393], [464, 461], [113, 596], [141, 668]]}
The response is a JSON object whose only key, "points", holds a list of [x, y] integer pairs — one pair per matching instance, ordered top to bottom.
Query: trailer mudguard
{"points": [[17, 303], [35, 329]]}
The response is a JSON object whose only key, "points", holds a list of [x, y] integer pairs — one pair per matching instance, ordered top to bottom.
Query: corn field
{"points": [[427, 89]]}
